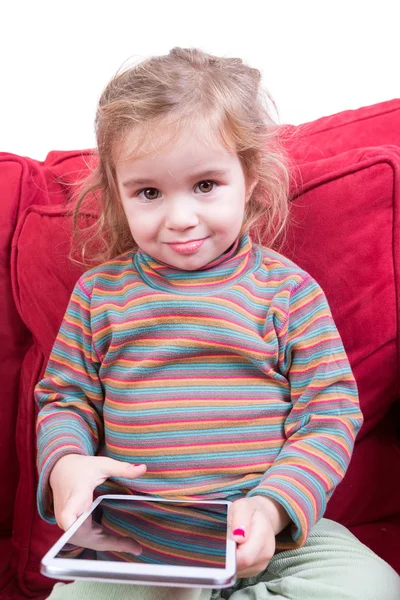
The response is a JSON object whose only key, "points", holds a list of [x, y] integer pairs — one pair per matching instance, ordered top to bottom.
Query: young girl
{"points": [[192, 362]]}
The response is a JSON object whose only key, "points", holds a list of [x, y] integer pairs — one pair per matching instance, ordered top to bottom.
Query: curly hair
{"points": [[222, 98]]}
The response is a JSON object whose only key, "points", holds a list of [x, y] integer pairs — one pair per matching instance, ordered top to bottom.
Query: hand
{"points": [[74, 477], [260, 519], [92, 535]]}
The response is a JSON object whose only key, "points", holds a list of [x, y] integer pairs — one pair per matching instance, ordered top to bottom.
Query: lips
{"points": [[187, 247]]}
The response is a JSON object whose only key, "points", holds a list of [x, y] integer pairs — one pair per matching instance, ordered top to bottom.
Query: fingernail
{"points": [[239, 531]]}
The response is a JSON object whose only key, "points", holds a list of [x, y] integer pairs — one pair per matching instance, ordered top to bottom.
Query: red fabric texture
{"points": [[375, 125], [21, 185], [344, 231], [13, 333]]}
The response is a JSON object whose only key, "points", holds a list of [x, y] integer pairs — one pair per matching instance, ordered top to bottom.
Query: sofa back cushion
{"points": [[376, 125], [14, 337]]}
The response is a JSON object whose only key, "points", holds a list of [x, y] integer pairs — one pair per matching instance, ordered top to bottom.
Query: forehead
{"points": [[168, 147]]}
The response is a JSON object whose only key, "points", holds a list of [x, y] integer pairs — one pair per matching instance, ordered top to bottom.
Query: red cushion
{"points": [[375, 125], [21, 184], [13, 334], [5, 555]]}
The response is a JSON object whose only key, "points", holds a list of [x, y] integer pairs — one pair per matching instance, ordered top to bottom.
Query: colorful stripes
{"points": [[226, 381]]}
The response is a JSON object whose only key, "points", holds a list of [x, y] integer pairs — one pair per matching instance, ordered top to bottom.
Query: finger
{"points": [[118, 468], [76, 505], [239, 519], [93, 535], [112, 541], [117, 543], [124, 544], [256, 552], [252, 571]]}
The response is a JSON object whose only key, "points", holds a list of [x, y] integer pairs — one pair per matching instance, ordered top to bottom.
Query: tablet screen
{"points": [[149, 532]]}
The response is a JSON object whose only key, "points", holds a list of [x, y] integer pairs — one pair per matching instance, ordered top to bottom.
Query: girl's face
{"points": [[188, 192]]}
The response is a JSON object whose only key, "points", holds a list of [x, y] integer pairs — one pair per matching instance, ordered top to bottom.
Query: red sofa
{"points": [[345, 231]]}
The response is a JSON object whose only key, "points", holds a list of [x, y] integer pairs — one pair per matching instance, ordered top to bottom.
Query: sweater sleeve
{"points": [[69, 397], [325, 417]]}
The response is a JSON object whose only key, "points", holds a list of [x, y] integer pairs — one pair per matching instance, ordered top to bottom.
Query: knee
{"points": [[347, 571], [374, 579]]}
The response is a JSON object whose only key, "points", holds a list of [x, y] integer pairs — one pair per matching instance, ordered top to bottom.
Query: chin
{"points": [[188, 266]]}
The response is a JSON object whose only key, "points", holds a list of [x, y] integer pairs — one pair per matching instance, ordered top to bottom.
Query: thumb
{"points": [[110, 467], [76, 505], [239, 520]]}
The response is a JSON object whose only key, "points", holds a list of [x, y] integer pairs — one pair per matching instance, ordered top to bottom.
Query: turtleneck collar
{"points": [[225, 270]]}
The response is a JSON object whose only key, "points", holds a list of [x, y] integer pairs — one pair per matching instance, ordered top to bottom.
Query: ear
{"points": [[250, 187]]}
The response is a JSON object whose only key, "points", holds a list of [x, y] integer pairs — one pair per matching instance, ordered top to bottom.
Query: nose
{"points": [[181, 214]]}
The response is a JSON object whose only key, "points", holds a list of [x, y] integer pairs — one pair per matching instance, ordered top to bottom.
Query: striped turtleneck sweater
{"points": [[227, 381]]}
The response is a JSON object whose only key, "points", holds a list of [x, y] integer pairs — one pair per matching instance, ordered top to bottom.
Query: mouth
{"points": [[187, 247]]}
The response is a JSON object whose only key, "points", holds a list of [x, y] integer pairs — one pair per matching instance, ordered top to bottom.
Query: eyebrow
{"points": [[147, 181]]}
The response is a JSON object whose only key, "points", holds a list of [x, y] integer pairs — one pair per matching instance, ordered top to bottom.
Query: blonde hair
{"points": [[187, 88]]}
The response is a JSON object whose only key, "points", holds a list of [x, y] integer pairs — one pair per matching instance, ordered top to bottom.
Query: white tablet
{"points": [[146, 540]]}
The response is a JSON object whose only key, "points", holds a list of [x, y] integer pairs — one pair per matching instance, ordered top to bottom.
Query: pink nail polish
{"points": [[239, 531]]}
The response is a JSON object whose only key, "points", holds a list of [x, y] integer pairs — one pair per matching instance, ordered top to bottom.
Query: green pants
{"points": [[332, 565]]}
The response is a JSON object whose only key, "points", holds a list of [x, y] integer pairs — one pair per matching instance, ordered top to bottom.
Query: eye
{"points": [[208, 183], [151, 190], [150, 194]]}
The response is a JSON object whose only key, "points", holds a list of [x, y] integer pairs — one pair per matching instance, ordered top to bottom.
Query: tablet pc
{"points": [[147, 540]]}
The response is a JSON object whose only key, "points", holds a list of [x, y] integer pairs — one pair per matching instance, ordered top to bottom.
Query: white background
{"points": [[317, 57]]}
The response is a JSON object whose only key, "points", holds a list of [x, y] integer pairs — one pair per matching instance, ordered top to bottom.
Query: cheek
{"points": [[228, 210], [141, 222]]}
